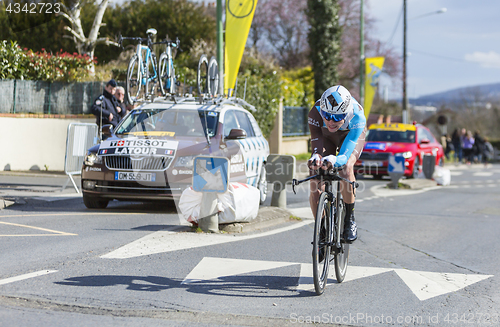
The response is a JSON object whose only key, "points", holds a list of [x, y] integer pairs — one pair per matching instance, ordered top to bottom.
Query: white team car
{"points": [[149, 155]]}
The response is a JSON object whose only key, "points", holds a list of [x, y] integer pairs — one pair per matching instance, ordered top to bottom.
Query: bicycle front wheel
{"points": [[134, 80], [321, 248], [341, 255]]}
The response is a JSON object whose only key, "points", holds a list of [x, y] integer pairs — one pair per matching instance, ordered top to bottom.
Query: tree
{"points": [[282, 23], [325, 41], [85, 44]]}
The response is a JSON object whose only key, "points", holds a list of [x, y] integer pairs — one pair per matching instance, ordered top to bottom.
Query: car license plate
{"points": [[373, 163], [133, 176]]}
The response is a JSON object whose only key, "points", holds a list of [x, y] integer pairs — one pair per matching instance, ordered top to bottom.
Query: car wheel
{"points": [[416, 169], [378, 177], [262, 185], [94, 203]]}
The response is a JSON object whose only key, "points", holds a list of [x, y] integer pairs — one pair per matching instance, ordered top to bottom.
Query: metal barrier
{"points": [[81, 136]]}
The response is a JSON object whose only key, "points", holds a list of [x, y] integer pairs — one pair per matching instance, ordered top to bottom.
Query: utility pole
{"points": [[220, 46], [362, 55], [405, 95]]}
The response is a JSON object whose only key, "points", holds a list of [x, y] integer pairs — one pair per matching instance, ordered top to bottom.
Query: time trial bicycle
{"points": [[142, 71], [328, 241]]}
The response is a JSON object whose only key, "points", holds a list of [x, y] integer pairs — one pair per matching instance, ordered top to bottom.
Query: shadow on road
{"points": [[234, 286]]}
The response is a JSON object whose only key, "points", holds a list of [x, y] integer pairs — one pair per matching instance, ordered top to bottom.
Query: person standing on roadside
{"points": [[120, 97], [104, 107], [456, 140]]}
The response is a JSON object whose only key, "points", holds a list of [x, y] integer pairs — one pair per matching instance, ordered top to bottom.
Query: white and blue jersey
{"points": [[349, 136]]}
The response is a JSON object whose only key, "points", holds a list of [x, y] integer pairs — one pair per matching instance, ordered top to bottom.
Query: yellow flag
{"points": [[239, 16], [373, 69]]}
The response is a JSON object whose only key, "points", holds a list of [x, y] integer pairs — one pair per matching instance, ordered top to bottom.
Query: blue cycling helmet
{"points": [[336, 103]]}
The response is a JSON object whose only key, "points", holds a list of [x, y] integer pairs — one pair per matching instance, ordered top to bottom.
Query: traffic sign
{"points": [[396, 164], [210, 174]]}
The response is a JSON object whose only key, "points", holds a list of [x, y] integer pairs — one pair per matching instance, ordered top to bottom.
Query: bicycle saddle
{"points": [[152, 31]]}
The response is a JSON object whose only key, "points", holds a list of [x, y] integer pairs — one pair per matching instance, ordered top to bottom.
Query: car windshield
{"points": [[169, 122], [378, 135]]}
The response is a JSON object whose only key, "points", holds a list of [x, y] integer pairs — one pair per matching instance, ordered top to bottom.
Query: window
{"points": [[230, 122], [244, 123]]}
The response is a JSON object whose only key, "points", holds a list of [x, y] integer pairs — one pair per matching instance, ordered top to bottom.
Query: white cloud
{"points": [[485, 59]]}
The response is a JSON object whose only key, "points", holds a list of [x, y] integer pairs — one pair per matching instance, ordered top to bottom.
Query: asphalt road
{"points": [[424, 257]]}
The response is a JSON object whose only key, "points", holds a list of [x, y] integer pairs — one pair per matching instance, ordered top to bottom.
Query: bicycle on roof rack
{"points": [[142, 71], [207, 78], [168, 79], [328, 242]]}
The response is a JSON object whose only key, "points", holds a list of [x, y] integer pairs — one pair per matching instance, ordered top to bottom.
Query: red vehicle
{"points": [[413, 142]]}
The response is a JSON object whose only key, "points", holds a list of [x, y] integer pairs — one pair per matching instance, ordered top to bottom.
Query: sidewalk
{"points": [[15, 185]]}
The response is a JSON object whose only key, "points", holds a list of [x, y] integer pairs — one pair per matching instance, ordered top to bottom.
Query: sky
{"points": [[458, 48]]}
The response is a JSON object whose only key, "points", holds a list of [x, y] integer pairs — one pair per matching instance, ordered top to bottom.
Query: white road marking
{"points": [[456, 173], [483, 173], [382, 191], [52, 232], [166, 241], [213, 268], [26, 276], [424, 284]]}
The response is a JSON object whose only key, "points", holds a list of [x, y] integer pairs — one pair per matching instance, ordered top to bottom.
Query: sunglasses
{"points": [[334, 117]]}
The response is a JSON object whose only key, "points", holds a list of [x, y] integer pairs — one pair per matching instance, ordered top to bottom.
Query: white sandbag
{"points": [[442, 176], [239, 203], [189, 204]]}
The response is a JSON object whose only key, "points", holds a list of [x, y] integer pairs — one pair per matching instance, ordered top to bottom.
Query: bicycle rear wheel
{"points": [[202, 76], [213, 76], [133, 83], [167, 83], [321, 249], [341, 255]]}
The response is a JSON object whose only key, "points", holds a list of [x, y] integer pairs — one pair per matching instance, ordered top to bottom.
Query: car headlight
{"points": [[407, 154], [92, 159], [186, 161]]}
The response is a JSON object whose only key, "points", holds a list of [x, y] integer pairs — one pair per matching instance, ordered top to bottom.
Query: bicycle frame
{"points": [[145, 62]]}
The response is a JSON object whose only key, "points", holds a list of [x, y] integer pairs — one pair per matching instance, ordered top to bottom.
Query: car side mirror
{"points": [[107, 130], [236, 133], [425, 141]]}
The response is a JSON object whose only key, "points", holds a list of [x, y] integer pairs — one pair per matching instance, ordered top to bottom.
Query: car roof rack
{"points": [[204, 99]]}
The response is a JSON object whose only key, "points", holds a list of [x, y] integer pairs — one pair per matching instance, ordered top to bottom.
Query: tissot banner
{"points": [[239, 16], [373, 70]]}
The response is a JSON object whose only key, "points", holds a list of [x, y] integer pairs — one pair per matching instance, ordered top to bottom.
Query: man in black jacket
{"points": [[104, 107]]}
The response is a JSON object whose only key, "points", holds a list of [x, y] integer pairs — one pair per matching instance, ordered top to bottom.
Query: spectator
{"points": [[104, 107], [122, 107], [456, 140], [468, 144], [448, 146], [478, 147], [488, 152]]}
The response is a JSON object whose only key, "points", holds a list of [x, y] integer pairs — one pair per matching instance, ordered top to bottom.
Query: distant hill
{"points": [[485, 93]]}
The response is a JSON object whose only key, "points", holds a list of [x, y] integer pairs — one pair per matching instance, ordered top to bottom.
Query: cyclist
{"points": [[336, 121]]}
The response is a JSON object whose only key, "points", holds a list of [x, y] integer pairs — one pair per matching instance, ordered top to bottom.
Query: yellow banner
{"points": [[239, 16], [373, 69]]}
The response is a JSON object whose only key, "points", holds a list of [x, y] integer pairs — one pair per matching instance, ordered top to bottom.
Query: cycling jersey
{"points": [[349, 137]]}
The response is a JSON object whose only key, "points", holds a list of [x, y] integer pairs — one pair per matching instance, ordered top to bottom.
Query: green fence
{"points": [[19, 96], [295, 121]]}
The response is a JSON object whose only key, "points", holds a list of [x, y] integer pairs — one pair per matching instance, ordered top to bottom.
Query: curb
{"points": [[267, 217]]}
